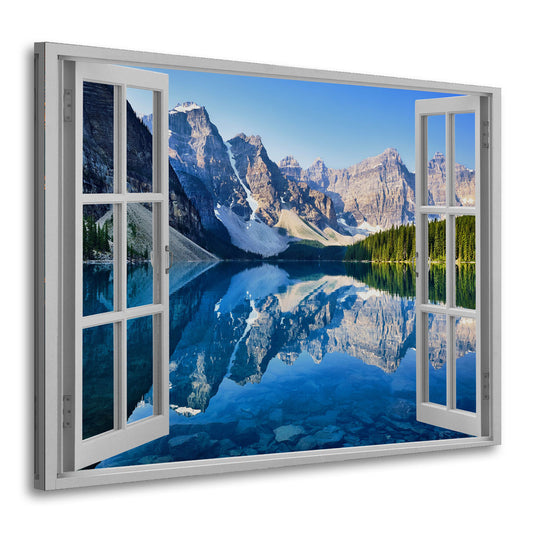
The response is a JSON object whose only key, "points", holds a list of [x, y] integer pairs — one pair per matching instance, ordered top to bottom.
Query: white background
{"points": [[478, 42]]}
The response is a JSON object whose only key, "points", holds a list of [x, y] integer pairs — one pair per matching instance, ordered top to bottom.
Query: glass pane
{"points": [[139, 122], [98, 135], [465, 159], [436, 170], [140, 248], [97, 259], [437, 260], [465, 261], [437, 358], [465, 364], [140, 368], [97, 380]]}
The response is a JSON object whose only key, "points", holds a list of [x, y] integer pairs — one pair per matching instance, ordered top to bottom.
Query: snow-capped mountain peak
{"points": [[184, 108]]}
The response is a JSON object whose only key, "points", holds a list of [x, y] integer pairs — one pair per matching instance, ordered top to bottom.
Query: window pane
{"points": [[139, 115], [98, 135], [436, 157], [465, 159], [140, 248], [97, 259], [437, 260], [465, 261], [437, 358], [465, 364], [140, 368], [97, 380]]}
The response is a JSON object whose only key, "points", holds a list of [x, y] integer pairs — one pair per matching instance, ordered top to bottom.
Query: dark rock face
{"points": [[97, 138], [139, 153], [98, 160], [273, 191], [182, 214]]}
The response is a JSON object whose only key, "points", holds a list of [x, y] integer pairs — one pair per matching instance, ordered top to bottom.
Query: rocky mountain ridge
{"points": [[379, 190], [272, 191], [247, 204]]}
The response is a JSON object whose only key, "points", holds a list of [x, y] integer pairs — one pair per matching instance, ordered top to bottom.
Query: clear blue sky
{"points": [[342, 124]]}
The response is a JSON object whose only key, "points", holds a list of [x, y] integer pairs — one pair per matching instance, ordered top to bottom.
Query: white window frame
{"points": [[476, 423], [78, 452], [49, 473]]}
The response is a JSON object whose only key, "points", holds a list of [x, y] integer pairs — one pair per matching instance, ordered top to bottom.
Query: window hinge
{"points": [[67, 105], [485, 134], [486, 386], [67, 411]]}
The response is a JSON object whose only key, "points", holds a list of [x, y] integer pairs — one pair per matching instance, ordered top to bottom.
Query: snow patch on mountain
{"points": [[254, 205], [363, 230], [252, 235]]}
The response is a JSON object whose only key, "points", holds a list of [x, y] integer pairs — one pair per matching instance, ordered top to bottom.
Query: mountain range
{"points": [[232, 200]]}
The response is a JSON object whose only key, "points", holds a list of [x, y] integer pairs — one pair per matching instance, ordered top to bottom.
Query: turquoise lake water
{"points": [[274, 357]]}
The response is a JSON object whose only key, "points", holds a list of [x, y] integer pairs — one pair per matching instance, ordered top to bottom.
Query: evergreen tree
{"points": [[398, 243]]}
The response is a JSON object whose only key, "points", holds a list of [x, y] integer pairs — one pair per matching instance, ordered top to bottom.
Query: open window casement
{"points": [[449, 325], [103, 332]]}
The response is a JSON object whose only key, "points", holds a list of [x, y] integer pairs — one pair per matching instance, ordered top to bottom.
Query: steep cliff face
{"points": [[97, 138], [197, 149], [98, 160], [273, 191]]}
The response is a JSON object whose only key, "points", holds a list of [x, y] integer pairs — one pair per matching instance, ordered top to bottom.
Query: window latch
{"points": [[169, 259]]}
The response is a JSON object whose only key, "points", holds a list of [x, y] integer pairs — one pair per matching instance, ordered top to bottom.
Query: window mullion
{"points": [[450, 260], [122, 282]]}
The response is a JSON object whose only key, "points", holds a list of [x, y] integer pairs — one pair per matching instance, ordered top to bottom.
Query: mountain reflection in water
{"points": [[276, 357]]}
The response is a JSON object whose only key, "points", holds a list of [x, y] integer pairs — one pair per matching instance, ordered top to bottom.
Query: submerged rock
{"points": [[287, 433], [329, 436], [308, 442], [189, 446]]}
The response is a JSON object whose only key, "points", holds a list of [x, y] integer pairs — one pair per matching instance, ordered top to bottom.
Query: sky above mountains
{"points": [[342, 124]]}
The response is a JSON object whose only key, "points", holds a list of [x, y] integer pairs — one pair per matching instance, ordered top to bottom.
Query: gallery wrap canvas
{"points": [[292, 277]]}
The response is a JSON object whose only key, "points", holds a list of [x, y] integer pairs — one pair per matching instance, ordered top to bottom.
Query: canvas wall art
{"points": [[263, 265]]}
